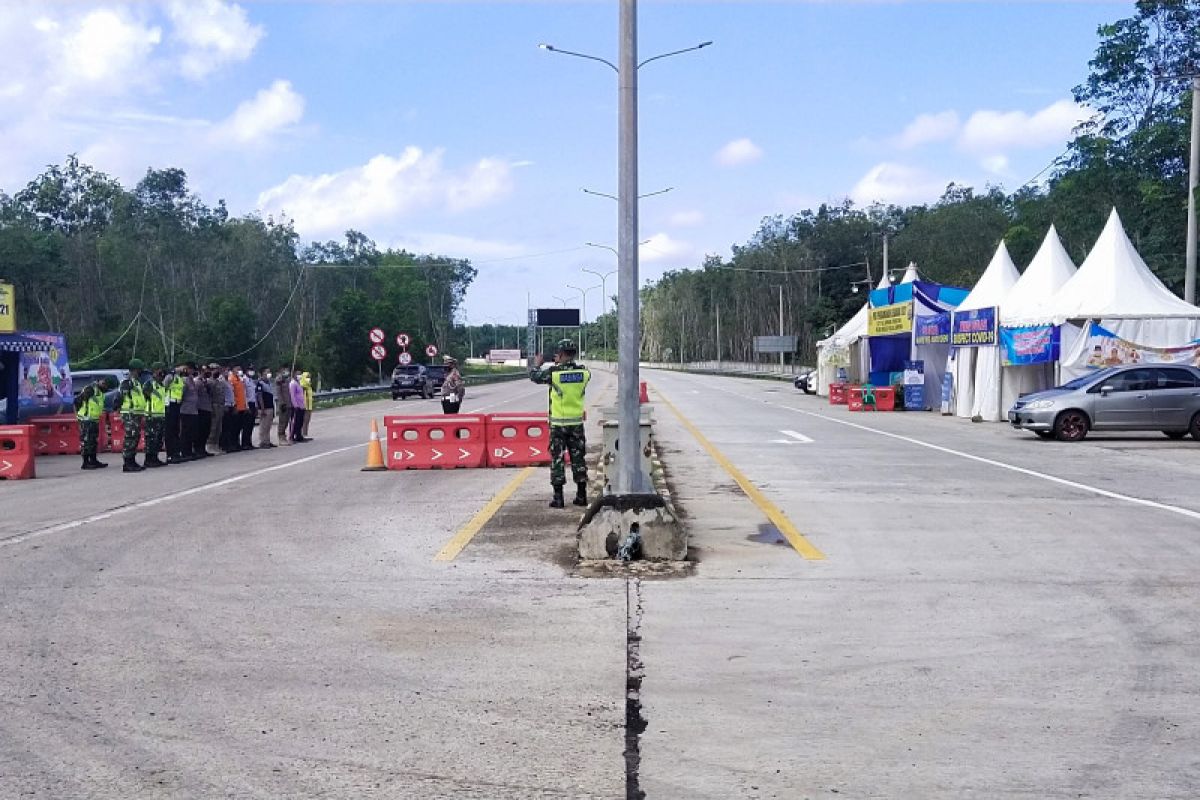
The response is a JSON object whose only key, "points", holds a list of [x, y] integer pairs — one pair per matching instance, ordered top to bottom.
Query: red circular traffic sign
{"points": [[376, 335], [403, 340], [431, 351], [379, 352], [405, 358]]}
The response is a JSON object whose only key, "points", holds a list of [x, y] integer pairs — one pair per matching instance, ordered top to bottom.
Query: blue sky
{"points": [[441, 127]]}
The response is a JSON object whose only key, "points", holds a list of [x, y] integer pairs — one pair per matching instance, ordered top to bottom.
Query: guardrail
{"points": [[774, 371], [384, 388]]}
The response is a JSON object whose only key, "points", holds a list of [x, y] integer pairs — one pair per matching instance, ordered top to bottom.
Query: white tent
{"points": [[1049, 270], [1115, 287], [839, 350], [977, 369]]}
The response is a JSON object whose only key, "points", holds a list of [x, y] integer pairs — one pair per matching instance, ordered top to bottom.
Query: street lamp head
{"points": [[702, 45], [545, 46]]}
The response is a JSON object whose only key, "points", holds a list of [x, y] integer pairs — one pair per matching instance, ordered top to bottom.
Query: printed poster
{"points": [[890, 320], [974, 328], [932, 329], [1029, 344], [1106, 349], [45, 378]]}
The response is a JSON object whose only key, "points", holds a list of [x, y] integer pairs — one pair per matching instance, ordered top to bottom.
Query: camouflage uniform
{"points": [[131, 420], [156, 421], [89, 438], [571, 439]]}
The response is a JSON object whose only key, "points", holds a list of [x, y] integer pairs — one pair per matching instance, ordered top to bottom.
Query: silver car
{"points": [[1138, 398]]}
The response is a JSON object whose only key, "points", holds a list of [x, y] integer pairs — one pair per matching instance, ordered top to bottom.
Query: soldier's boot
{"points": [[87, 463], [97, 463], [152, 463], [131, 465], [580, 494], [558, 501]]}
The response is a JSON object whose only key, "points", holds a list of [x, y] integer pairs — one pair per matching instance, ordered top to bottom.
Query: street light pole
{"points": [[1189, 280], [603, 300], [781, 325], [583, 326]]}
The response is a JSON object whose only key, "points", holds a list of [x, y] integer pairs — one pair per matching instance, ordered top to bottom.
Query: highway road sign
{"points": [[376, 335], [403, 340], [431, 351], [378, 352], [405, 357]]}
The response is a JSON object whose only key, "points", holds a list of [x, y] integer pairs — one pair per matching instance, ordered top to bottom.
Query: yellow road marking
{"points": [[464, 536], [796, 539]]}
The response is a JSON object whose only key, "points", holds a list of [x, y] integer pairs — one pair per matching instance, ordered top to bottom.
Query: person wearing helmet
{"points": [[568, 382], [454, 389]]}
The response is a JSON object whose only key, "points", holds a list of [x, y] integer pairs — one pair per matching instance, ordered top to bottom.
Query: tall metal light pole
{"points": [[1189, 280], [603, 299], [583, 326], [629, 477]]}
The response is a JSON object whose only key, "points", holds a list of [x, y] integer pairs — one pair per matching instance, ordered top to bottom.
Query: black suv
{"points": [[437, 374], [412, 379]]}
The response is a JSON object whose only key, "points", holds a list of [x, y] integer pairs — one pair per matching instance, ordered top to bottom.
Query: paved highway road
{"points": [[903, 606]]}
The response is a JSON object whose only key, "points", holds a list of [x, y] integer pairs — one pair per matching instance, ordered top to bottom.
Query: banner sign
{"points": [[8, 309], [889, 320], [973, 328], [932, 329], [775, 344], [1029, 344], [1106, 349], [914, 373], [45, 379], [947, 391], [914, 397]]}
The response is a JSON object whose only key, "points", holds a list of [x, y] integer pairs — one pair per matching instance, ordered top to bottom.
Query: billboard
{"points": [[557, 317], [889, 320], [774, 344], [44, 387]]}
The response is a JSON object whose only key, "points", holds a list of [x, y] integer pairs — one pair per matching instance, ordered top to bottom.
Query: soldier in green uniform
{"points": [[568, 382], [132, 402], [89, 409], [156, 415]]}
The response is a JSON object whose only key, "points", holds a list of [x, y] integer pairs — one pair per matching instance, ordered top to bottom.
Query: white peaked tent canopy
{"points": [[1050, 269], [910, 274], [1114, 283], [854, 329], [977, 369]]}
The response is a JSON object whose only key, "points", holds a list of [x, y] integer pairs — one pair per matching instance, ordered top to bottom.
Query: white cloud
{"points": [[214, 33], [103, 51], [269, 111], [928, 128], [991, 132], [738, 152], [997, 165], [899, 184], [384, 188], [686, 219], [661, 247]]}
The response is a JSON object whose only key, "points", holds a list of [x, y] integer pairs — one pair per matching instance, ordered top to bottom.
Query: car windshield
{"points": [[406, 371], [436, 371], [1086, 380]]}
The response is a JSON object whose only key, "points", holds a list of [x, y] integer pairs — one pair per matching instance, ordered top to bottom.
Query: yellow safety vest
{"points": [[567, 387], [175, 389], [132, 400], [158, 400], [92, 409]]}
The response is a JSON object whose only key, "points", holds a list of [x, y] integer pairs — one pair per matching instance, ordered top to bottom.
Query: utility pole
{"points": [[885, 258], [1189, 281], [781, 324], [718, 336], [629, 469]]}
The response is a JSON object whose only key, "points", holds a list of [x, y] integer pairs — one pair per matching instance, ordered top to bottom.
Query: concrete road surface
{"points": [[891, 606]]}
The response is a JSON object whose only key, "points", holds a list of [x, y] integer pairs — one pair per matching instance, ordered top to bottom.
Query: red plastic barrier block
{"points": [[837, 394], [854, 398], [885, 399], [116, 435], [56, 436], [518, 439], [449, 441], [16, 452]]}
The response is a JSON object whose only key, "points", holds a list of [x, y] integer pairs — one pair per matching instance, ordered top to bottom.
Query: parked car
{"points": [[81, 379], [410, 379], [806, 381], [1133, 398]]}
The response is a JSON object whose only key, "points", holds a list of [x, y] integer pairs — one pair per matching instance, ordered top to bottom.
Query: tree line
{"points": [[1133, 155], [154, 272]]}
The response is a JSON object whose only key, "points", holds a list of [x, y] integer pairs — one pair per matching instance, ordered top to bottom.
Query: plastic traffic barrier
{"points": [[837, 394], [854, 398], [885, 398], [116, 434], [55, 436], [518, 439], [447, 441], [16, 452]]}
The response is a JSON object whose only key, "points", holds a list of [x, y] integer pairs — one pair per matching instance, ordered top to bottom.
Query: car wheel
{"points": [[1071, 426], [1194, 428], [1045, 434], [1175, 434]]}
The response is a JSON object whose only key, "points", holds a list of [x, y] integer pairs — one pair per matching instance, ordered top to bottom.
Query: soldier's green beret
{"points": [[136, 365]]}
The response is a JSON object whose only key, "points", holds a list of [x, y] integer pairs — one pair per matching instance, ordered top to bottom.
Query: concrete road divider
{"points": [[55, 436], [518, 439], [448, 441], [16, 452]]}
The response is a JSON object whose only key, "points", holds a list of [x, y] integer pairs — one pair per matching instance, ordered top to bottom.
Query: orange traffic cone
{"points": [[374, 452]]}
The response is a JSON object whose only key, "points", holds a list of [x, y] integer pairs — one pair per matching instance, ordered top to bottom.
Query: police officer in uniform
{"points": [[568, 382], [132, 402], [89, 409]]}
